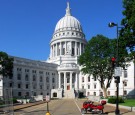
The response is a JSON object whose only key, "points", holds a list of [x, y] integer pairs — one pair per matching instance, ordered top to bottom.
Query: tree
{"points": [[127, 33], [96, 60], [6, 63]]}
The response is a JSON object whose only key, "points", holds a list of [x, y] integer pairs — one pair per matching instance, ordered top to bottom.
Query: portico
{"points": [[68, 80]]}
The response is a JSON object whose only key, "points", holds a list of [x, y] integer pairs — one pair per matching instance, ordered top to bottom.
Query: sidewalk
{"points": [[21, 106], [17, 107], [124, 110]]}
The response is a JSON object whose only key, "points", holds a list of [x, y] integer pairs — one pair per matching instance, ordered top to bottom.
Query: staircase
{"points": [[69, 94]]}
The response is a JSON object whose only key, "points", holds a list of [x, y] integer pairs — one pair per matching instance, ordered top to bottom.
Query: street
{"points": [[56, 107], [63, 107]]}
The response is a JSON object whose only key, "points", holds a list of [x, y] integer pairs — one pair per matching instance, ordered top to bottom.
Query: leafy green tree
{"points": [[127, 33], [96, 60], [6, 64]]}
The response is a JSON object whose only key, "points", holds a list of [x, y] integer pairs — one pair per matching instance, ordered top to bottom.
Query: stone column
{"points": [[60, 48], [65, 48], [75, 48], [56, 49], [80, 49], [59, 80], [70, 80], [65, 84], [77, 84]]}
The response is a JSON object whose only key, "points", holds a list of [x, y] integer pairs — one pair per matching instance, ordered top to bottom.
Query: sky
{"points": [[27, 26]]}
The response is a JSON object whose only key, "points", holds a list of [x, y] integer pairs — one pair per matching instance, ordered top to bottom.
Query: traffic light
{"points": [[113, 62], [117, 79]]}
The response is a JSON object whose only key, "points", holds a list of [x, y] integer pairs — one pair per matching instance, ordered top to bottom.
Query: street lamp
{"points": [[117, 111]]}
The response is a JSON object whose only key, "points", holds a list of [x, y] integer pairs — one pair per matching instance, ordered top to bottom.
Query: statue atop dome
{"points": [[68, 10]]}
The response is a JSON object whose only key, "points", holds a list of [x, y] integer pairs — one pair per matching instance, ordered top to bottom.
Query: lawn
{"points": [[128, 102]]}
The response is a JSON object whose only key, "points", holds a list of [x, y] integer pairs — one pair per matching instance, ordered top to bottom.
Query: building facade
{"points": [[60, 75]]}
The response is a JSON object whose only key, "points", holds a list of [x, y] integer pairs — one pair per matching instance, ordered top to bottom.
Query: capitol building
{"points": [[60, 76]]}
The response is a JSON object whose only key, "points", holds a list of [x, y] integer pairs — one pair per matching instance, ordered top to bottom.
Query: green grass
{"points": [[128, 102]]}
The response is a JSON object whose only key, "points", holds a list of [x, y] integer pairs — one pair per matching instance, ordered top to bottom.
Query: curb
{"points": [[123, 107]]}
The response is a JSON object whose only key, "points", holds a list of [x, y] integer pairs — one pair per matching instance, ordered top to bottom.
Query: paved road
{"points": [[56, 107], [65, 107]]}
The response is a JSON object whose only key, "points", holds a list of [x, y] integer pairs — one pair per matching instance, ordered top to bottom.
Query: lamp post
{"points": [[117, 111]]}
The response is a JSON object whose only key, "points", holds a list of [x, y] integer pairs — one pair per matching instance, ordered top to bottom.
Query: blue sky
{"points": [[27, 26]]}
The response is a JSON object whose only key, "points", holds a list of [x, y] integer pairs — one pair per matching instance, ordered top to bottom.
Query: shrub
{"points": [[113, 100]]}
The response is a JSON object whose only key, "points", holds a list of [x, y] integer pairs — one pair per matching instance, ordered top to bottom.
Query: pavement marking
{"points": [[78, 107]]}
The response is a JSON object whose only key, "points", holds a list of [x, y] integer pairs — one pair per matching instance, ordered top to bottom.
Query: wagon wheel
{"points": [[83, 111]]}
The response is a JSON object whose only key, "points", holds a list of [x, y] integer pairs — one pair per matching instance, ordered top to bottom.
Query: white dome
{"points": [[68, 21]]}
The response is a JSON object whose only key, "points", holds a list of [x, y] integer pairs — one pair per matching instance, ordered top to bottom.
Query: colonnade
{"points": [[67, 47], [68, 80]]}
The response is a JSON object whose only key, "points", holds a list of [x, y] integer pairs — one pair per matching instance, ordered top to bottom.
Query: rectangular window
{"points": [[125, 74], [89, 79], [19, 85], [27, 86], [88, 86], [94, 86], [19, 94]]}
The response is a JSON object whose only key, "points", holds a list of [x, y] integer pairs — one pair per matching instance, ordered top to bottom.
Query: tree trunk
{"points": [[105, 92]]}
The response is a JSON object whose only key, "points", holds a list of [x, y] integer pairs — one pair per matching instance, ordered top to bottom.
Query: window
{"points": [[73, 52], [19, 69], [26, 70], [33, 71], [41, 72], [125, 74], [18, 76], [26, 77], [34, 78], [41, 78], [88, 78], [95, 78], [47, 79], [82, 79], [53, 80], [68, 80], [125, 83], [10, 84], [19, 85], [27, 86], [34, 86], [40, 86], [47, 86], [82, 86], [88, 86], [94, 86], [125, 92], [27, 93], [34, 93], [88, 93], [94, 93], [101, 93], [108, 93], [19, 94]]}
